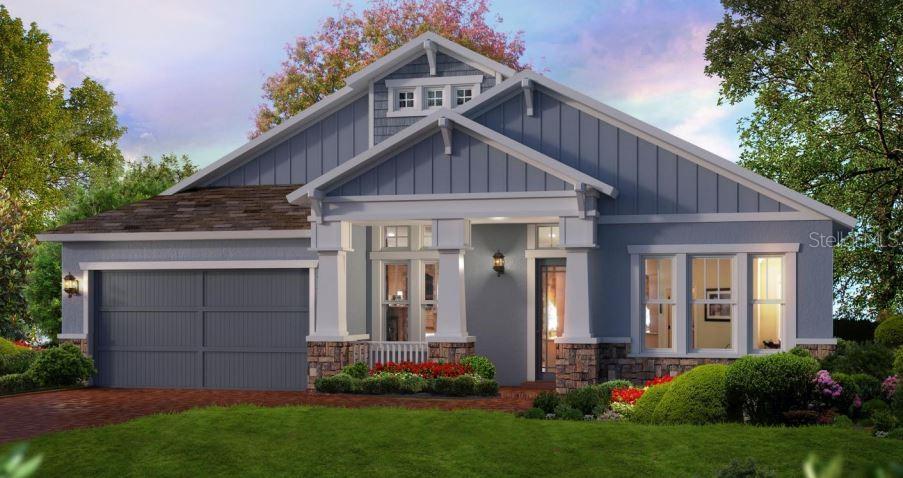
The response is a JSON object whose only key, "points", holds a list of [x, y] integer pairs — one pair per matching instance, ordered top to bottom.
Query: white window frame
{"points": [[419, 86], [441, 97], [469, 97], [398, 100], [397, 228], [558, 236], [741, 254], [421, 290], [672, 302], [732, 302], [782, 302]]}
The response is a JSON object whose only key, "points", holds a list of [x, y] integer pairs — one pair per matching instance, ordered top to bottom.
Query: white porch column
{"points": [[451, 237], [578, 237], [332, 241]]}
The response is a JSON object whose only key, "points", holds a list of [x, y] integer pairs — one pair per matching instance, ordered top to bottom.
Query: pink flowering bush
{"points": [[826, 387], [889, 387]]}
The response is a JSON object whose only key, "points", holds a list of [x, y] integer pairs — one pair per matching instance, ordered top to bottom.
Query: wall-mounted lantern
{"points": [[498, 263], [70, 285]]}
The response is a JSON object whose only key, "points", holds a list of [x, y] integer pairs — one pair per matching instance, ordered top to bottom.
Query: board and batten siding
{"points": [[383, 126], [308, 154], [473, 167], [650, 180]]}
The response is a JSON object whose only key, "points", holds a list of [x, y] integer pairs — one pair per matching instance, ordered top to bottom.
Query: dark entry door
{"points": [[550, 314]]}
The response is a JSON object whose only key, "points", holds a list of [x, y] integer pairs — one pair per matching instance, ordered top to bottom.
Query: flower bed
{"points": [[426, 370], [436, 378]]}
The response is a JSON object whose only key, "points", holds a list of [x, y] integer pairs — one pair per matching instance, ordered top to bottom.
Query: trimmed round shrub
{"points": [[890, 332], [800, 351], [869, 358], [17, 362], [61, 366], [482, 367], [358, 370], [17, 382], [338, 383], [410, 383], [372, 385], [443, 385], [462, 386], [764, 387], [486, 388], [604, 389], [696, 397], [584, 399], [547, 401], [873, 406], [644, 409], [565, 412], [534, 414]]}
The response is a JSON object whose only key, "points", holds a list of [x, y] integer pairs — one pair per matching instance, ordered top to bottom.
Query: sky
{"points": [[187, 74]]}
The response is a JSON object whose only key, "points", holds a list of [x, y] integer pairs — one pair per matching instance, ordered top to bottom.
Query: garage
{"points": [[219, 329]]}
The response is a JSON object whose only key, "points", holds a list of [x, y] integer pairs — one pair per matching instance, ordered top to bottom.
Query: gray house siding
{"points": [[383, 126], [308, 154], [474, 167], [650, 180], [207, 250], [814, 266], [496, 306]]}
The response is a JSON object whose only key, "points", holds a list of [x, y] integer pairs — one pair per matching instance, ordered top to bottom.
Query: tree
{"points": [[318, 64], [827, 80], [141, 180], [15, 246]]}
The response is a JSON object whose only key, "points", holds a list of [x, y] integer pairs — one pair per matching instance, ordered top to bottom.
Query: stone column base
{"points": [[82, 344], [819, 351], [450, 352], [325, 359], [616, 364], [576, 365]]}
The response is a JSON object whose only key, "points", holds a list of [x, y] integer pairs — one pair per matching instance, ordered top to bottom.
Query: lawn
{"points": [[252, 441]]}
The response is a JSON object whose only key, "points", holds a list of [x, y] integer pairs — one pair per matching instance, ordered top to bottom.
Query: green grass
{"points": [[292, 441]]}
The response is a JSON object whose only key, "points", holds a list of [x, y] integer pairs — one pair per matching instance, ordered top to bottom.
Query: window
{"points": [[463, 95], [434, 97], [405, 99], [427, 236], [396, 237], [547, 237], [428, 297], [713, 297], [396, 301], [767, 301], [659, 305]]}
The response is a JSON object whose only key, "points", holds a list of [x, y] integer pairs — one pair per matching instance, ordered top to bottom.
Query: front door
{"points": [[550, 307]]}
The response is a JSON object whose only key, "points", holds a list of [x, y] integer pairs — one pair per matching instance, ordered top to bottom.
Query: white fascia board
{"points": [[434, 81], [660, 138], [266, 140], [460, 206], [710, 217], [174, 236], [760, 248], [196, 265]]}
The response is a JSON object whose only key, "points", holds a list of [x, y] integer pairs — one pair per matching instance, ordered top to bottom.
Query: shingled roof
{"points": [[243, 208]]}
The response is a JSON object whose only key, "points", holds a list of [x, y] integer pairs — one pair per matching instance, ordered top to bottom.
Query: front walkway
{"points": [[28, 415]]}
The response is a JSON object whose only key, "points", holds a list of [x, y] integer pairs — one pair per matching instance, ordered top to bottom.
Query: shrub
{"points": [[890, 332], [7, 347], [800, 351], [852, 357], [17, 362], [898, 362], [63, 365], [482, 367], [358, 370], [17, 382], [338, 383], [410, 383], [372, 385], [443, 385], [463, 386], [867, 386], [763, 387], [889, 387], [486, 388], [604, 389], [849, 392], [696, 397], [584, 399], [546, 401], [874, 405], [644, 408], [565, 412], [534, 413], [799, 418], [843, 421], [884, 421], [896, 434], [744, 469]]}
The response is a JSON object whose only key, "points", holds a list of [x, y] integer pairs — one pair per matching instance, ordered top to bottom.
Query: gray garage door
{"points": [[202, 329]]}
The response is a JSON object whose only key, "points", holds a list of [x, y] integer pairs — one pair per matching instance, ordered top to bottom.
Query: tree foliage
{"points": [[318, 64], [827, 83], [141, 180], [15, 247]]}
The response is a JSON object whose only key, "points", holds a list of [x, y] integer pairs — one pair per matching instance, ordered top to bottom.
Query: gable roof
{"points": [[356, 85], [430, 125], [658, 137]]}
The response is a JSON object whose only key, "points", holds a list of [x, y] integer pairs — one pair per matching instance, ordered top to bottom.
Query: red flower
{"points": [[425, 369], [659, 380], [627, 395]]}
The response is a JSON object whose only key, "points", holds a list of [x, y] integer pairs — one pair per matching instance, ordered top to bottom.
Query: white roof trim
{"points": [[356, 84], [430, 123], [665, 140], [175, 236], [198, 265]]}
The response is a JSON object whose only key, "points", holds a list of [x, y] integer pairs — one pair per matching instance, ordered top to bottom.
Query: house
{"points": [[442, 204]]}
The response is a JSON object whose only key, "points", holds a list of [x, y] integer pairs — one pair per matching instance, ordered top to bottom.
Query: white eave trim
{"points": [[451, 196], [710, 217], [174, 236], [762, 248], [196, 265]]}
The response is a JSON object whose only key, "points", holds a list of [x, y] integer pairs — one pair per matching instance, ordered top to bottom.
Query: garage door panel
{"points": [[253, 288], [150, 289], [152, 328], [254, 329], [152, 369], [256, 370]]}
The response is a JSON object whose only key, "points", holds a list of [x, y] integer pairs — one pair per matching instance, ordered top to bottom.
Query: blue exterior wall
{"points": [[384, 126], [309, 153], [650, 180], [814, 266]]}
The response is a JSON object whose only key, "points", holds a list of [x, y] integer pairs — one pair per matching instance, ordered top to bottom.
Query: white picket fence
{"points": [[382, 352]]}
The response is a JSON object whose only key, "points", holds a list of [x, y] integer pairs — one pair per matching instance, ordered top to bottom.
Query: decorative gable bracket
{"points": [[431, 49], [527, 85], [445, 126]]}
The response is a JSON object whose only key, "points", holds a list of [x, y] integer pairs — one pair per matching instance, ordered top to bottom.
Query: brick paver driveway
{"points": [[24, 416]]}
